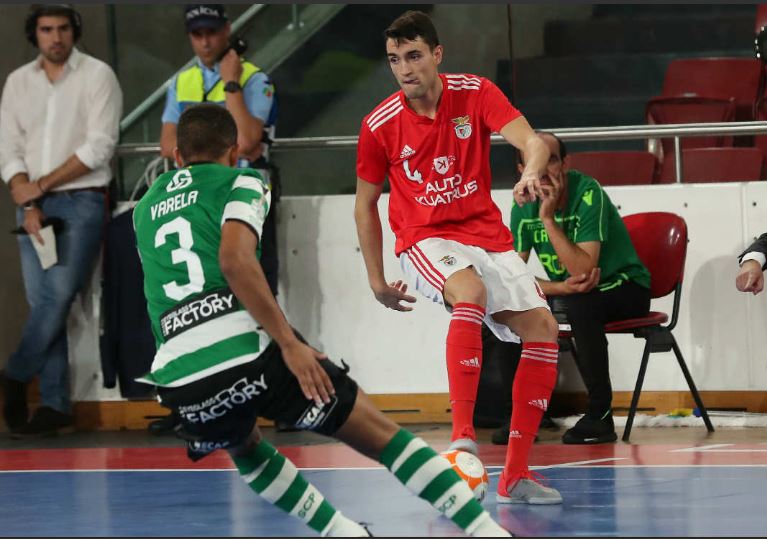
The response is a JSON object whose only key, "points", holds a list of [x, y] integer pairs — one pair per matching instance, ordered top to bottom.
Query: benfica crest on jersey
{"points": [[462, 127]]}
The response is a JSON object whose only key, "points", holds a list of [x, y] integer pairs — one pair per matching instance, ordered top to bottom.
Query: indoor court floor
{"points": [[667, 482]]}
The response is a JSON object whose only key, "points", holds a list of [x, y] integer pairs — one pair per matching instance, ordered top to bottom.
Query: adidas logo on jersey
{"points": [[407, 151], [473, 362], [543, 404], [514, 434]]}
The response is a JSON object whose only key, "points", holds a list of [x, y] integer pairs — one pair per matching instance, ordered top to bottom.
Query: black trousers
{"points": [[269, 256], [587, 315]]}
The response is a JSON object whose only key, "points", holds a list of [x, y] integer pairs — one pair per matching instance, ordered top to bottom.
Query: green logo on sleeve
{"points": [[587, 196]]}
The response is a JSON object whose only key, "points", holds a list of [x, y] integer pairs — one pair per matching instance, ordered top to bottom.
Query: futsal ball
{"points": [[470, 469]]}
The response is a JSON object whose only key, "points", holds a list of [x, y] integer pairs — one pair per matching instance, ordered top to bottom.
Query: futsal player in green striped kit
{"points": [[226, 353]]}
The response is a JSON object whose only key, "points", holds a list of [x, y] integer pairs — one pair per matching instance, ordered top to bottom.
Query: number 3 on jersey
{"points": [[184, 254]]}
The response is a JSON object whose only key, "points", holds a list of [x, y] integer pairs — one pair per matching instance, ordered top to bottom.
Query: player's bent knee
{"points": [[465, 286], [551, 326], [247, 446]]}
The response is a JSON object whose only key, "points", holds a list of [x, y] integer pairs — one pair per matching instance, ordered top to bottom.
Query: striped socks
{"points": [[464, 362], [431, 478], [277, 480]]}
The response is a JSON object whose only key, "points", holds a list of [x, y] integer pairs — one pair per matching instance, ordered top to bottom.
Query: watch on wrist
{"points": [[232, 86], [28, 206]]}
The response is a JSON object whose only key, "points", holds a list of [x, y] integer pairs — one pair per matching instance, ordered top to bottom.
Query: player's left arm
{"points": [[499, 115], [242, 223], [243, 273]]}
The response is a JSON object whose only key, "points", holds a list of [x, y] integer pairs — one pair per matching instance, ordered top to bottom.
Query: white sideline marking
{"points": [[698, 448], [716, 448], [566, 464], [374, 468], [112, 470]]}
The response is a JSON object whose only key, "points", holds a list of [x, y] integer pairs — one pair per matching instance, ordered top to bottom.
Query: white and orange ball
{"points": [[470, 469]]}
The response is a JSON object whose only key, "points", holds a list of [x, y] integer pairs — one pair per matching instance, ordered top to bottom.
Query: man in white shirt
{"points": [[59, 124], [753, 262]]}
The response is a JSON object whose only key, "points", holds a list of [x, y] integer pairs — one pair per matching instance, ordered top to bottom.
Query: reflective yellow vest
{"points": [[190, 85]]}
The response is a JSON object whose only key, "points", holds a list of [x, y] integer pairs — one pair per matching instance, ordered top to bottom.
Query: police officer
{"points": [[219, 75]]}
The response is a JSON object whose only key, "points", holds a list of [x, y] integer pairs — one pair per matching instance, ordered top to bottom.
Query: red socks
{"points": [[464, 361], [533, 383]]}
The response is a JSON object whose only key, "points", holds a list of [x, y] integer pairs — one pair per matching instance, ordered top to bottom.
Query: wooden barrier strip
{"points": [[435, 407]]}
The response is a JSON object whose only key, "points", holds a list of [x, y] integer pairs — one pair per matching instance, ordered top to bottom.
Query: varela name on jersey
{"points": [[199, 326]]}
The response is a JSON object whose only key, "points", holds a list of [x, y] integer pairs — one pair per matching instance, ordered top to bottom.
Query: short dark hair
{"points": [[51, 10], [410, 26], [205, 131], [562, 147]]}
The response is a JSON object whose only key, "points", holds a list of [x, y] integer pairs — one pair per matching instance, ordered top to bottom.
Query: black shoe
{"points": [[15, 410], [45, 422], [548, 423], [591, 431]]}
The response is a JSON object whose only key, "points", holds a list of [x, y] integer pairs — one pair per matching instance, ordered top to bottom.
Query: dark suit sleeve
{"points": [[759, 246]]}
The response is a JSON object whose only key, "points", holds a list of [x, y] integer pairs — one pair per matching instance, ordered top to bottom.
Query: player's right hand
{"points": [[527, 189], [390, 296], [304, 362]]}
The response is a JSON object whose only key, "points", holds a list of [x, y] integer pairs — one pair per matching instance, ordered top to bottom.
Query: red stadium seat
{"points": [[761, 17], [725, 78], [682, 110], [760, 141], [721, 164], [616, 168], [660, 240]]}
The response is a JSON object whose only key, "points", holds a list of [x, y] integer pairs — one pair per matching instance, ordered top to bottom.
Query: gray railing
{"points": [[159, 93], [622, 132]]}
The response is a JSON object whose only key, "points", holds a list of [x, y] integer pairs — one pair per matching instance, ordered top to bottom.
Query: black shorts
{"points": [[220, 411]]}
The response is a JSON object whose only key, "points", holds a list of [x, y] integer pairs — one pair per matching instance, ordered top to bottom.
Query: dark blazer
{"points": [[759, 246]]}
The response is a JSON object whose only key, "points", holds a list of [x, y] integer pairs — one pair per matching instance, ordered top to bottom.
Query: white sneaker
{"points": [[464, 444], [527, 490]]}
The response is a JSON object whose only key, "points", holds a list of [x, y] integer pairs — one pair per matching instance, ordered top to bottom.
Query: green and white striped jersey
{"points": [[199, 326]]}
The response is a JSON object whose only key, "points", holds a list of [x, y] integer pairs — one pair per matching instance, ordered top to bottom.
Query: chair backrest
{"points": [[739, 78], [687, 109], [691, 109], [721, 164], [616, 168], [660, 240]]}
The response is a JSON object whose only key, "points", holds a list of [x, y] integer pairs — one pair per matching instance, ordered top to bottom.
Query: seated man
{"points": [[592, 267], [225, 351]]}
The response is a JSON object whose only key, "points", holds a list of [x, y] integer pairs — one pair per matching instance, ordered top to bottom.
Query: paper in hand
{"points": [[46, 252]]}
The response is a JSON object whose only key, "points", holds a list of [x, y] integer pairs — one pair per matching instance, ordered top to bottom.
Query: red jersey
{"points": [[439, 170]]}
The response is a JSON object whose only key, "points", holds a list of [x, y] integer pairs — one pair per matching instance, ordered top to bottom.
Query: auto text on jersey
{"points": [[447, 190]]}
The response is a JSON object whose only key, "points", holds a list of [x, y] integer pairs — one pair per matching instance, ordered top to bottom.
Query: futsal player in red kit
{"points": [[432, 140]]}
